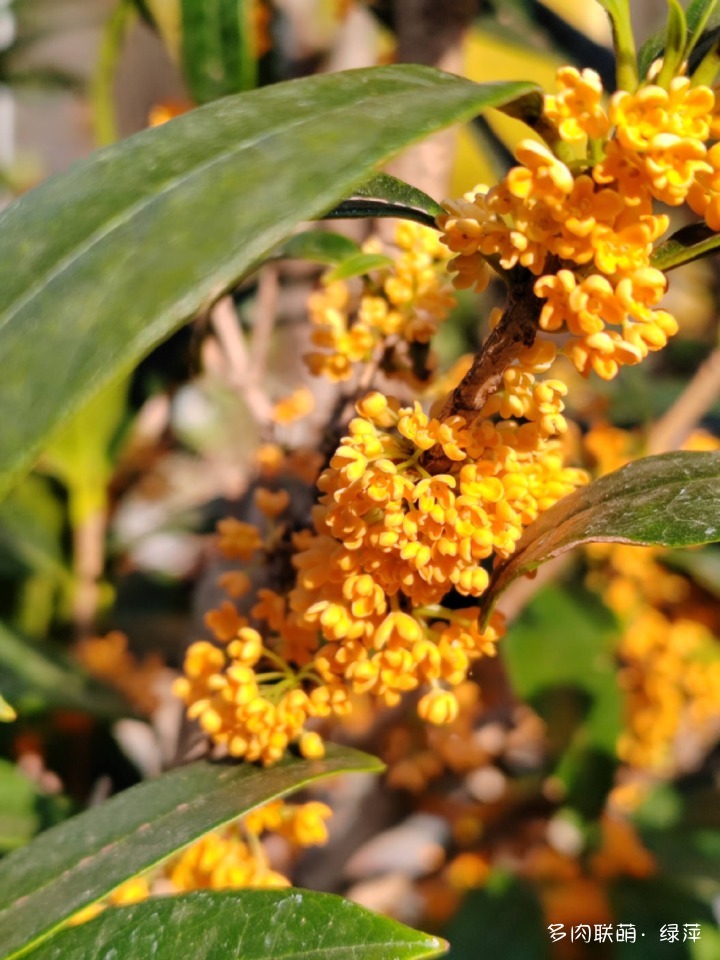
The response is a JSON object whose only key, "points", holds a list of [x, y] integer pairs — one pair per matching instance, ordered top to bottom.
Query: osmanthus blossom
{"points": [[414, 507]]}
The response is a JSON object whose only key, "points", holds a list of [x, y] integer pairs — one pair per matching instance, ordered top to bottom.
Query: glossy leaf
{"points": [[217, 47], [386, 196], [689, 243], [319, 246], [101, 263], [358, 266], [670, 500], [78, 862], [241, 925]]}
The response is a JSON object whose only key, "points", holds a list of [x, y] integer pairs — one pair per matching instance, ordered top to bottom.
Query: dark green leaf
{"points": [[698, 17], [218, 47], [528, 108], [386, 196], [689, 243], [320, 246], [101, 263], [358, 266], [670, 500], [560, 658], [78, 862], [650, 904], [487, 923], [241, 925]]}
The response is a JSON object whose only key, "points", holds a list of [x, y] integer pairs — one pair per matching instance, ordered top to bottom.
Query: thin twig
{"points": [[263, 322], [225, 323], [517, 329], [669, 432]]}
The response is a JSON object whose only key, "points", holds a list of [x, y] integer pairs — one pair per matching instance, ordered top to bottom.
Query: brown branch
{"points": [[517, 329], [669, 432]]}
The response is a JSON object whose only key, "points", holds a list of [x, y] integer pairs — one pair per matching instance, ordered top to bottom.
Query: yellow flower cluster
{"points": [[580, 217], [399, 305], [391, 541], [669, 653], [235, 857], [229, 859]]}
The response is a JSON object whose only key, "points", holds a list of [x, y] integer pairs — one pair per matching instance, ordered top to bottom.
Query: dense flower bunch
{"points": [[578, 213], [399, 305], [414, 509], [668, 649], [229, 859]]}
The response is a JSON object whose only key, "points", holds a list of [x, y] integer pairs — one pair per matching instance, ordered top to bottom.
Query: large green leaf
{"points": [[218, 47], [100, 264], [669, 500], [78, 862], [241, 925]]}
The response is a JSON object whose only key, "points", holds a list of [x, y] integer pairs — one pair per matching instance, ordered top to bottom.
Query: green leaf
{"points": [[698, 19], [675, 36], [623, 41], [218, 47], [386, 196], [689, 243], [320, 246], [103, 262], [358, 266], [670, 500], [560, 658], [80, 861], [648, 905], [241, 925], [486, 925]]}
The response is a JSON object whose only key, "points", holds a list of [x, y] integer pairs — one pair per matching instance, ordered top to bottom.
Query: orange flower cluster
{"points": [[579, 214], [399, 305], [670, 656], [109, 659], [229, 859]]}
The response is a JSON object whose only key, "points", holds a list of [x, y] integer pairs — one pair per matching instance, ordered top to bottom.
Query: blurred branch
{"points": [[264, 317], [226, 325], [669, 432]]}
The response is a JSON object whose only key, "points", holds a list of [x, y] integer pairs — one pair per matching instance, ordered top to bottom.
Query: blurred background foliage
{"points": [[580, 783]]}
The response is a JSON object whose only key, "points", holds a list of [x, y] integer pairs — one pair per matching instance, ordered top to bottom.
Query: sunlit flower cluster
{"points": [[578, 213], [400, 304]]}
